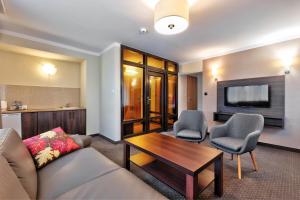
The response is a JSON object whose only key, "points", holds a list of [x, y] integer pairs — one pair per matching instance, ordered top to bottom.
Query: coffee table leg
{"points": [[126, 159], [219, 176], [191, 190]]}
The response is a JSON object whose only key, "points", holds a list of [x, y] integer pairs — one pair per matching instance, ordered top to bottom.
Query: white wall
{"points": [[261, 62], [190, 68], [91, 88], [200, 90], [182, 93], [110, 94]]}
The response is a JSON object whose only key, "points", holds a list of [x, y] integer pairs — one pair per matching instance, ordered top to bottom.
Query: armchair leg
{"points": [[231, 156], [254, 160], [239, 167]]}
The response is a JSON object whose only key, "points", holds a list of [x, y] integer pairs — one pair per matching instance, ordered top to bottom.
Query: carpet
{"points": [[278, 176]]}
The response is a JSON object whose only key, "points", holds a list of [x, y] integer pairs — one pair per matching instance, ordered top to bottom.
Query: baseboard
{"points": [[106, 138], [279, 147]]}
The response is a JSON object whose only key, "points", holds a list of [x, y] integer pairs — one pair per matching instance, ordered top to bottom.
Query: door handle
{"points": [[148, 100]]}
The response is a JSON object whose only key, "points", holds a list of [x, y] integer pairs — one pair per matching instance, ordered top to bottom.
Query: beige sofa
{"points": [[83, 174]]}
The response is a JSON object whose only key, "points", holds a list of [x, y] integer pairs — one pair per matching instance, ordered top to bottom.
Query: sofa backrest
{"points": [[19, 159], [10, 186]]}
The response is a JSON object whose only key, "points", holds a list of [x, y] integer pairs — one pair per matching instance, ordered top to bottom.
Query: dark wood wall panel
{"points": [[277, 85]]}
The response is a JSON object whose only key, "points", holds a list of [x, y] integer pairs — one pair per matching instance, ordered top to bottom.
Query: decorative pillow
{"points": [[49, 146]]}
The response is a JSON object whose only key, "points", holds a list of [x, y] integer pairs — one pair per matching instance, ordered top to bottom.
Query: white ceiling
{"points": [[216, 26]]}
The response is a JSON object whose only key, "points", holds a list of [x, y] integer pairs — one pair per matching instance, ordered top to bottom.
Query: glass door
{"points": [[154, 101]]}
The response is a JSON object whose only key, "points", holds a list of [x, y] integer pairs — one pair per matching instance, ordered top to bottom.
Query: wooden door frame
{"points": [[147, 69], [187, 89], [162, 101]]}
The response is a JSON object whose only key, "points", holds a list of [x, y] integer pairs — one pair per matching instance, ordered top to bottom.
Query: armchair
{"points": [[191, 126], [238, 135]]}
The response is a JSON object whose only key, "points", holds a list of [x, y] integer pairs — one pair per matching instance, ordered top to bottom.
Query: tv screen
{"points": [[248, 96]]}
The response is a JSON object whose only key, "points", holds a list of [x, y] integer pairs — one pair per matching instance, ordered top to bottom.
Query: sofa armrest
{"points": [[82, 140]]}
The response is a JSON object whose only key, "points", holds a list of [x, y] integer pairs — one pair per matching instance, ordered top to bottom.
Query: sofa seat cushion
{"points": [[186, 133], [82, 140], [233, 144], [72, 171], [119, 184]]}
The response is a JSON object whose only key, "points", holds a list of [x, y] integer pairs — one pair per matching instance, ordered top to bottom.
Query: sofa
{"points": [[82, 174]]}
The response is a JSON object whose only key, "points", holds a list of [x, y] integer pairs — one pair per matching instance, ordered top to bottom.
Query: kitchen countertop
{"points": [[40, 110]]}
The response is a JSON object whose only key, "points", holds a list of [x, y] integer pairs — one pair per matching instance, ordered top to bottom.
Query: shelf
{"points": [[269, 120], [169, 175]]}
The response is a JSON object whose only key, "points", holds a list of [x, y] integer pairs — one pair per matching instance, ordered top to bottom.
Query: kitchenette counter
{"points": [[41, 110]]}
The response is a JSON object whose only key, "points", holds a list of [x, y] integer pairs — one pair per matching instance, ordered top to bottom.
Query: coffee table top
{"points": [[188, 157]]}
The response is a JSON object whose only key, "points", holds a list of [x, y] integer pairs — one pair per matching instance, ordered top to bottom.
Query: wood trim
{"points": [[106, 138], [279, 147]]}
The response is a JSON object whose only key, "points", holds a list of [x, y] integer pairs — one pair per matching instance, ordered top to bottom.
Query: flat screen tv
{"points": [[248, 96]]}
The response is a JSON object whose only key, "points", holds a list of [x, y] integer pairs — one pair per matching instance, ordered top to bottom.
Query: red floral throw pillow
{"points": [[49, 146]]}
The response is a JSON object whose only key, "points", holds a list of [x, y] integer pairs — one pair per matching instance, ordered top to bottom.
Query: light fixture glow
{"points": [[152, 3], [171, 16], [287, 57], [49, 69], [215, 71], [131, 72], [133, 82]]}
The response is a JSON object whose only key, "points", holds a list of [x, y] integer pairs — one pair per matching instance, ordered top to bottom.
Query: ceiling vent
{"points": [[2, 7]]}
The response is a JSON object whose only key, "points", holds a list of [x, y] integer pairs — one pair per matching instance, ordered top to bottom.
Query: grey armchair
{"points": [[191, 126], [238, 135]]}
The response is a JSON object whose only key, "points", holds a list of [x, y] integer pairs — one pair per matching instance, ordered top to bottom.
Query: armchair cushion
{"points": [[189, 134], [233, 144]]}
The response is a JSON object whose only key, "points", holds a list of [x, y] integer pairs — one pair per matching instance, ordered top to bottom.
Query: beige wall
{"points": [[260, 62], [21, 69], [90, 86], [36, 97]]}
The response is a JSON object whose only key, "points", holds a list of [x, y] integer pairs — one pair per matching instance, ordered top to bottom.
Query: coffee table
{"points": [[181, 165]]}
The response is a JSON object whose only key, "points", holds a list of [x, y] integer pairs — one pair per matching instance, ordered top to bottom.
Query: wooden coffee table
{"points": [[181, 165]]}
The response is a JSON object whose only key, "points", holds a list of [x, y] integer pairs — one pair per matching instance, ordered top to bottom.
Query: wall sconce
{"points": [[287, 57], [49, 69], [215, 71]]}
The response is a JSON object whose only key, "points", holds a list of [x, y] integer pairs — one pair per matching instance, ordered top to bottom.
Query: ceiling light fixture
{"points": [[171, 16]]}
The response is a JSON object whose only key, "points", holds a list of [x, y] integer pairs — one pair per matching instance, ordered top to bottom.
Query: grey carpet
{"points": [[278, 176]]}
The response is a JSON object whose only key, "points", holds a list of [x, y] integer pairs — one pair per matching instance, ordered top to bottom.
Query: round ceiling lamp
{"points": [[171, 16]]}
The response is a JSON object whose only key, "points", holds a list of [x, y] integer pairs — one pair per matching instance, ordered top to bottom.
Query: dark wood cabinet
{"points": [[58, 119], [45, 121], [71, 121], [29, 125]]}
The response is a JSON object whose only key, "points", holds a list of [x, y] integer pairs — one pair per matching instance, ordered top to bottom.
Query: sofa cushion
{"points": [[189, 134], [82, 140], [233, 144], [49, 146], [19, 158], [72, 171], [119, 184], [10, 186]]}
